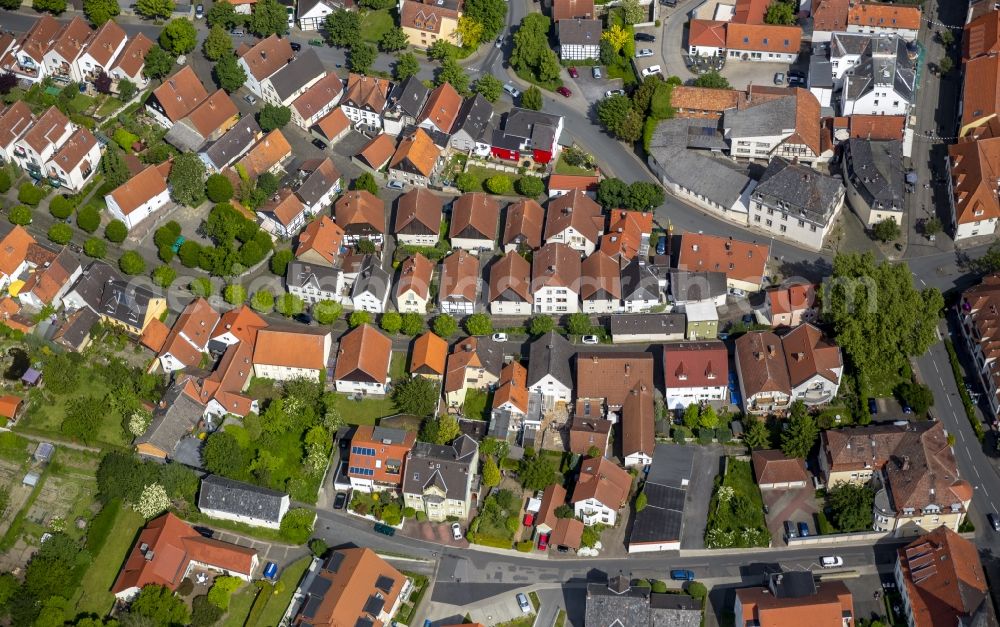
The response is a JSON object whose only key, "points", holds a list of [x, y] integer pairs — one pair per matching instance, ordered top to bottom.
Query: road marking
{"points": [[935, 367], [949, 400], [962, 435], [977, 471]]}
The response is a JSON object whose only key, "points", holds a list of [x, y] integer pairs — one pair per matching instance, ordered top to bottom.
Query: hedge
{"points": [[970, 409], [499, 543]]}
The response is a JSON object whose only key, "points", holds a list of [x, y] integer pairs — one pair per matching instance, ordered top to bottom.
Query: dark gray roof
{"points": [[579, 32], [844, 44], [885, 62], [299, 71], [820, 72], [409, 96], [474, 117], [769, 118], [523, 124], [184, 137], [227, 149], [875, 170], [719, 180], [317, 181], [800, 191], [306, 274], [371, 278], [639, 282], [702, 285], [90, 286], [125, 302], [648, 323], [77, 327], [551, 354], [175, 417], [500, 420], [388, 435], [672, 464], [447, 467], [242, 499], [663, 517], [793, 584], [608, 608], [674, 610]]}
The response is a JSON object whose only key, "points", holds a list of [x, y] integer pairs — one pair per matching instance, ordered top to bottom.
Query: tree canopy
{"points": [[100, 11], [491, 14], [269, 17], [342, 28], [179, 36], [713, 80], [187, 180], [416, 395], [442, 429], [800, 436], [851, 506]]}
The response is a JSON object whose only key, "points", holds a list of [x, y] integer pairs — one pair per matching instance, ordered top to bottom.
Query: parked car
{"points": [[199, 12], [239, 32], [645, 37], [316, 42], [499, 42], [295, 46], [643, 53], [595, 71], [651, 71], [573, 73], [799, 74], [779, 78], [795, 81], [513, 91], [564, 92], [614, 92], [250, 99], [319, 143], [394, 184], [661, 246], [735, 291], [499, 337], [590, 339], [872, 407], [339, 501], [529, 519], [994, 520], [384, 529], [803, 529], [790, 530], [456, 531], [205, 532], [543, 541], [562, 549], [831, 561], [271, 571], [682, 575], [522, 602]]}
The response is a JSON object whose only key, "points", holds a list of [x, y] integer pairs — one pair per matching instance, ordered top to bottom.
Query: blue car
{"points": [[661, 246], [734, 390], [872, 407], [803, 529], [270, 571], [682, 575]]}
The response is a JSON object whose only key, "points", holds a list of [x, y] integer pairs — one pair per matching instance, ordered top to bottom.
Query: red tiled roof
{"points": [[750, 11], [879, 15], [707, 34], [763, 38], [133, 55], [268, 56], [180, 94], [875, 127], [975, 169], [572, 181], [139, 189], [322, 235], [741, 261], [290, 349], [364, 352], [695, 364], [771, 466], [604, 480], [944, 579]]}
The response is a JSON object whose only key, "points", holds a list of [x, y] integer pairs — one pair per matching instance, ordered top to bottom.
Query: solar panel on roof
{"points": [[334, 562], [384, 583], [319, 586], [374, 605], [311, 606], [364, 622]]}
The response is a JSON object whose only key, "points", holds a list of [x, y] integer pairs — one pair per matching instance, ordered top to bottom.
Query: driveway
{"points": [[740, 74], [592, 89], [707, 460], [796, 505], [433, 532], [280, 554], [501, 610]]}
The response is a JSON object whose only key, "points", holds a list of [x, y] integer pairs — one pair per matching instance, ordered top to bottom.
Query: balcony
{"points": [[816, 397]]}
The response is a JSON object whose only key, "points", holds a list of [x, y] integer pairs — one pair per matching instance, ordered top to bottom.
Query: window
{"points": [[756, 218], [770, 223], [802, 223], [783, 228]]}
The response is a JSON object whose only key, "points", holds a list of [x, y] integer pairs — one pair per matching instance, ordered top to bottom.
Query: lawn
{"points": [[375, 24], [531, 78], [111, 104], [659, 107], [572, 170], [482, 174], [397, 368], [478, 404], [363, 412], [45, 417], [736, 514], [94, 596], [278, 602], [239, 606]]}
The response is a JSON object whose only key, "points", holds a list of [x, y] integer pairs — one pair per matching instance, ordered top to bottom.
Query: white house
{"points": [[312, 13], [872, 18], [579, 39], [762, 42], [101, 51], [29, 57], [60, 58], [132, 60], [263, 60], [875, 73], [285, 86], [365, 99], [317, 101], [15, 121], [37, 146], [75, 161], [321, 181], [140, 196], [796, 202], [283, 214], [475, 219], [576, 220], [49, 279], [555, 279], [313, 283], [459, 283], [600, 285], [414, 286], [510, 286], [640, 287], [370, 291], [188, 340], [287, 355], [363, 362], [814, 364], [550, 373], [695, 373], [638, 438], [439, 480], [602, 490], [227, 499]]}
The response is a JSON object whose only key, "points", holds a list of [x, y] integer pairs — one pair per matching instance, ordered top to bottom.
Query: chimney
{"points": [[770, 350], [906, 462]]}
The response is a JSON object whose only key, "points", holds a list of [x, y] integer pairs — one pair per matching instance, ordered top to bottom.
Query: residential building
{"points": [[572, 9], [312, 13], [829, 16], [871, 18], [426, 22], [981, 37], [707, 38], [579, 39], [763, 42], [101, 50], [61, 58], [132, 60], [263, 60], [28, 62], [876, 73], [284, 86], [176, 97], [365, 99], [980, 99], [317, 101], [406, 102], [702, 102], [440, 111], [209, 120], [15, 121], [787, 126], [332, 127], [877, 127], [473, 129], [525, 134], [39, 144], [224, 151], [269, 154], [375, 155], [75, 161], [415, 161], [873, 174], [319, 181], [562, 184], [973, 198], [796, 202], [283, 214], [361, 215], [418, 217], [474, 220], [576, 220], [522, 228], [628, 235], [320, 242], [14, 246], [743, 262], [50, 275], [555, 279], [314, 283], [459, 284], [600, 284], [510, 286], [414, 287], [640, 287], [689, 288], [88, 291], [370, 291], [790, 306], [130, 307], [979, 311], [702, 321], [661, 327], [74, 333], [188, 340], [288, 355], [429, 356], [363, 362], [474, 364], [815, 365], [695, 373], [763, 373], [550, 374], [609, 377], [511, 396], [637, 427], [169, 433], [587, 433], [377, 456], [912, 468], [775, 471], [440, 480], [602, 489], [241, 502], [659, 525], [168, 550], [941, 580], [352, 587], [788, 596], [616, 602]]}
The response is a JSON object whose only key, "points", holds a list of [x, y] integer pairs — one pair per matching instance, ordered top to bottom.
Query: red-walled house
{"points": [[524, 132]]}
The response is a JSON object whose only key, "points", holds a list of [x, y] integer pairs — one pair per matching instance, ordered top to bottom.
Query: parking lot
{"points": [[593, 89], [795, 504], [501, 610]]}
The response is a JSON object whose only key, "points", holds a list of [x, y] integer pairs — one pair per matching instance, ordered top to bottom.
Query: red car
{"points": [[574, 73], [563, 91], [529, 519], [543, 542]]}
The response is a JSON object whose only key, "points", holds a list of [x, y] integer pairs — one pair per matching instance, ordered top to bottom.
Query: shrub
{"points": [[125, 139], [5, 181], [499, 184], [530, 186], [218, 188], [30, 194], [61, 207], [20, 215], [88, 218], [116, 231], [60, 233], [96, 248], [189, 254], [280, 261], [132, 263], [164, 276], [201, 286], [705, 436], [297, 525], [525, 546], [318, 547], [657, 586], [186, 587], [222, 589], [697, 589], [203, 612]]}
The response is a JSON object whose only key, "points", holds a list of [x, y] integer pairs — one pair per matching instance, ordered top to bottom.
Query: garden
{"points": [[382, 506], [736, 512], [498, 520]]}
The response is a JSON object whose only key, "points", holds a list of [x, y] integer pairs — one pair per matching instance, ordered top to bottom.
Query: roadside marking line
{"points": [[935, 367], [949, 400], [962, 435], [977, 471]]}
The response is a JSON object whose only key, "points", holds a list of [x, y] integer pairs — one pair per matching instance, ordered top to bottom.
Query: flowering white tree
{"points": [[138, 422], [154, 500]]}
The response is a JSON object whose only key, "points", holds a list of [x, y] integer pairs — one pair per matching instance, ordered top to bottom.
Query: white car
{"points": [[499, 43], [642, 54], [651, 70], [596, 71], [510, 89], [614, 92], [735, 291], [499, 337], [590, 339], [456, 531], [831, 561], [522, 602]]}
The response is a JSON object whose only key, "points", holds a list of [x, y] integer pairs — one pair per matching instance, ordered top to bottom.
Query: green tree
{"points": [[52, 6], [154, 9], [100, 11], [632, 12], [780, 13], [222, 14], [490, 14], [269, 17], [342, 28], [179, 36], [393, 40], [530, 40], [217, 44], [441, 50], [361, 56], [158, 62], [945, 65], [406, 66], [452, 72], [229, 74], [712, 80], [489, 87], [126, 89], [531, 98], [612, 112], [272, 117], [113, 166], [187, 180], [366, 182], [468, 182], [499, 184], [530, 186], [218, 188], [613, 193], [644, 196], [61, 207], [20, 215], [88, 218], [886, 231], [116, 232], [60, 233], [95, 248], [189, 254], [280, 261], [131, 263], [164, 276], [202, 286], [235, 294], [262, 301], [289, 305], [327, 311], [358, 318], [391, 322], [412, 324], [478, 324], [540, 324], [578, 324], [444, 325], [62, 373], [416, 395], [915, 395], [691, 416], [83, 418], [707, 418], [442, 429], [756, 434], [800, 436], [224, 456], [491, 473], [537, 473], [641, 501], [850, 506], [564, 511], [297, 525], [222, 589], [160, 607], [203, 612]]}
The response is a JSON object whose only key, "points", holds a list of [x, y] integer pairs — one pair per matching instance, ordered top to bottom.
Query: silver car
{"points": [[643, 53], [596, 71], [510, 89], [522, 602]]}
